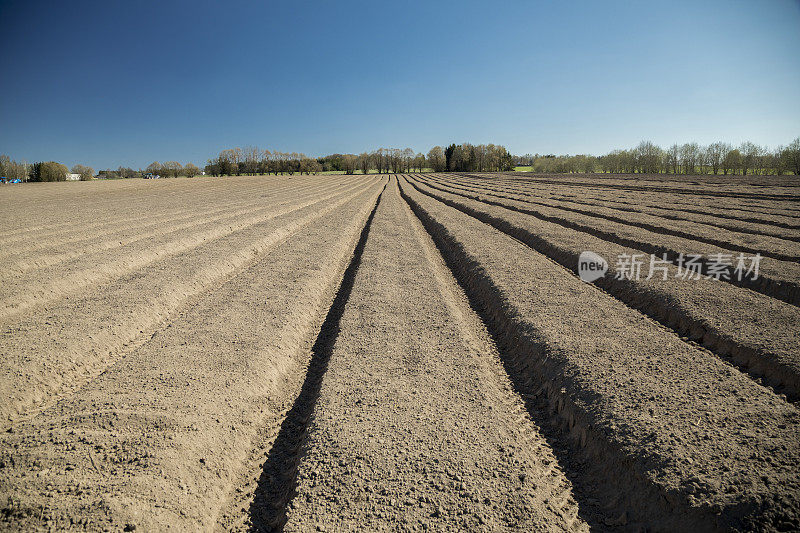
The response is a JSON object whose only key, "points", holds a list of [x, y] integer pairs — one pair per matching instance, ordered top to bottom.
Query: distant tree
{"points": [[715, 152], [749, 152], [689, 154], [251, 156], [648, 156], [790, 156], [449, 157], [674, 158], [379, 159], [406, 159], [436, 159], [505, 159], [702, 160], [229, 161], [731, 161], [264, 162], [333, 162], [364, 162], [419, 162], [776, 162], [224, 163], [349, 163], [764, 163], [589, 164], [311, 166], [211, 167], [154, 168], [14, 169], [172, 169], [191, 170], [48, 171], [125, 172], [86, 173], [110, 174]]}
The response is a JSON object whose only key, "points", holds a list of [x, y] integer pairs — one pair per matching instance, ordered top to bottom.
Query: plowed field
{"points": [[404, 352]]}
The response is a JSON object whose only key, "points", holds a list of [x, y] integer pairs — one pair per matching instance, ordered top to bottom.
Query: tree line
{"points": [[463, 157], [646, 158], [688, 158], [253, 161], [41, 171], [53, 171]]}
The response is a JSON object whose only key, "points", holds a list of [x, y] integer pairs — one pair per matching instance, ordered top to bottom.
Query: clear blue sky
{"points": [[125, 83]]}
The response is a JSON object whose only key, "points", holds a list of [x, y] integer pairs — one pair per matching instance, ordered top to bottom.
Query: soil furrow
{"points": [[672, 190], [133, 197], [132, 202], [681, 202], [658, 216], [100, 219], [51, 238], [775, 248], [24, 262], [777, 279], [20, 295], [753, 332], [86, 335], [160, 439], [665, 452], [366, 463], [277, 482]]}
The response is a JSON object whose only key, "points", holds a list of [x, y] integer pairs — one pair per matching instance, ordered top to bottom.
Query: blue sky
{"points": [[126, 83]]}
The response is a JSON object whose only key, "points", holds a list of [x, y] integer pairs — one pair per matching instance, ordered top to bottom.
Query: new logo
{"points": [[591, 266]]}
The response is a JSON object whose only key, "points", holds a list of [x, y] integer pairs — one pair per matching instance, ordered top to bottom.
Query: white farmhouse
{"points": [[73, 177]]}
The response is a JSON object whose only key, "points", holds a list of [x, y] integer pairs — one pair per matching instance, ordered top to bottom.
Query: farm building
{"points": [[73, 177]]}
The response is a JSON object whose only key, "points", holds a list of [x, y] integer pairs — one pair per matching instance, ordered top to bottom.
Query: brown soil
{"points": [[355, 353]]}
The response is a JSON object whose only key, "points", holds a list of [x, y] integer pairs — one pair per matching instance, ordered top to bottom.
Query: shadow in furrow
{"points": [[652, 189], [780, 290], [758, 366], [277, 483], [608, 488]]}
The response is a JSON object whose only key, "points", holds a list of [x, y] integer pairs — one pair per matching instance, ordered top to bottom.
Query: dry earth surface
{"points": [[410, 352]]}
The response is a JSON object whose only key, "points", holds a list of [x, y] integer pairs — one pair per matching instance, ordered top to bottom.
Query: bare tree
{"points": [[749, 152], [715, 153], [251, 156], [648, 156], [688, 156], [791, 156], [674, 157], [407, 158], [364, 162], [419, 162], [349, 163], [13, 169]]}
